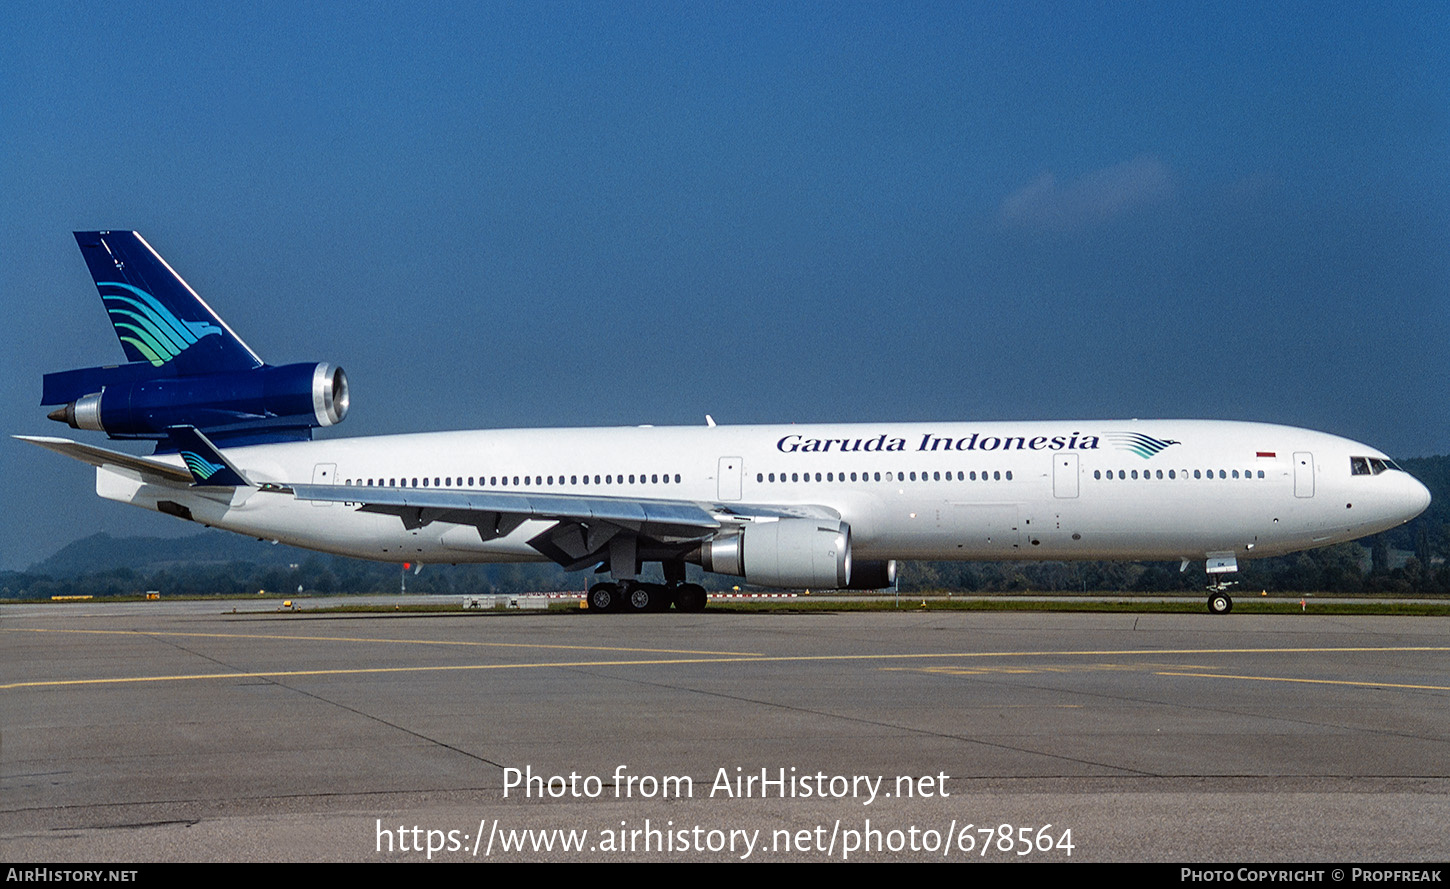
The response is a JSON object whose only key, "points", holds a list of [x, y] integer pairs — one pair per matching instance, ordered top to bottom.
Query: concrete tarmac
{"points": [[180, 731]]}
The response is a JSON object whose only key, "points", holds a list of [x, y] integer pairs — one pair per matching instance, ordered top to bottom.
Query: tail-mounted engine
{"points": [[264, 404]]}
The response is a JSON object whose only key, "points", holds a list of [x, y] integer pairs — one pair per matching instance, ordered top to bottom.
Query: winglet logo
{"points": [[142, 322], [1144, 446], [200, 467]]}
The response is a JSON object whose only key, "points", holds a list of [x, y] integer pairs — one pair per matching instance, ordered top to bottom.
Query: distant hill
{"points": [[102, 552]]}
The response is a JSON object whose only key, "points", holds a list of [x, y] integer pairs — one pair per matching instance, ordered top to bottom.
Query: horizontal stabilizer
{"points": [[209, 467], [154, 469]]}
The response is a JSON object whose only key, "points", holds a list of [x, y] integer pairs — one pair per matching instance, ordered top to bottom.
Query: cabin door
{"points": [[324, 474], [1303, 474], [1064, 475], [729, 478]]}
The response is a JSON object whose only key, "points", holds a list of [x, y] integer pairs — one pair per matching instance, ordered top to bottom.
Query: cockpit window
{"points": [[1370, 465]]}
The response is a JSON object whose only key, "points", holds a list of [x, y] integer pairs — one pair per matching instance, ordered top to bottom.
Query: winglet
{"points": [[208, 466]]}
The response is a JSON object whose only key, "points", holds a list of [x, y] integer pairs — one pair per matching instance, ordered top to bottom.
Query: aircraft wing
{"points": [[152, 470], [583, 527]]}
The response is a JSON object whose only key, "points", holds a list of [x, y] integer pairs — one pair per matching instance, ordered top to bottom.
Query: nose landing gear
{"points": [[1220, 603]]}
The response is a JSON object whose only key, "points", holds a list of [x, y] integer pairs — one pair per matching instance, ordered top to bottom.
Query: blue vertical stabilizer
{"points": [[157, 316]]}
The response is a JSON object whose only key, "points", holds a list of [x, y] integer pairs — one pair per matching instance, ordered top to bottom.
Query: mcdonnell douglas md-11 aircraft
{"points": [[824, 507]]}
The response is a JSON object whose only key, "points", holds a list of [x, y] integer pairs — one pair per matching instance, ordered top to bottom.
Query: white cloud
{"points": [[1094, 198]]}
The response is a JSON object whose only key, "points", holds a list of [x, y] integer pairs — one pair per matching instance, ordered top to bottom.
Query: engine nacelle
{"points": [[268, 402], [789, 554], [872, 575]]}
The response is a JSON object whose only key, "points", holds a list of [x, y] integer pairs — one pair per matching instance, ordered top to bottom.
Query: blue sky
{"points": [[555, 214]]}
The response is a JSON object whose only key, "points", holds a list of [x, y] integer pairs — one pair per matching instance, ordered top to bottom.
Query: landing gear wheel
{"points": [[605, 597], [642, 597], [690, 597], [1220, 603]]}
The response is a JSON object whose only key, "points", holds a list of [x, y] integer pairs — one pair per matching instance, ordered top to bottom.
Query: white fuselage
{"points": [[1121, 489]]}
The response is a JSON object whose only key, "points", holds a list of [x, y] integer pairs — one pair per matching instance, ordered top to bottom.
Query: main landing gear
{"points": [[638, 598]]}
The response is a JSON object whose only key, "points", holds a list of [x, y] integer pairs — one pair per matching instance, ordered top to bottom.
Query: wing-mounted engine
{"points": [[793, 554]]}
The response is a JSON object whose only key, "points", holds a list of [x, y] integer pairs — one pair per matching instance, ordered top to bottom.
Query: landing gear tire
{"points": [[643, 597], [690, 597], [605, 598], [1220, 603]]}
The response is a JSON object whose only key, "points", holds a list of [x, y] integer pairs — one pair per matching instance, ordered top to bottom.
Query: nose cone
{"points": [[1417, 497]]}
